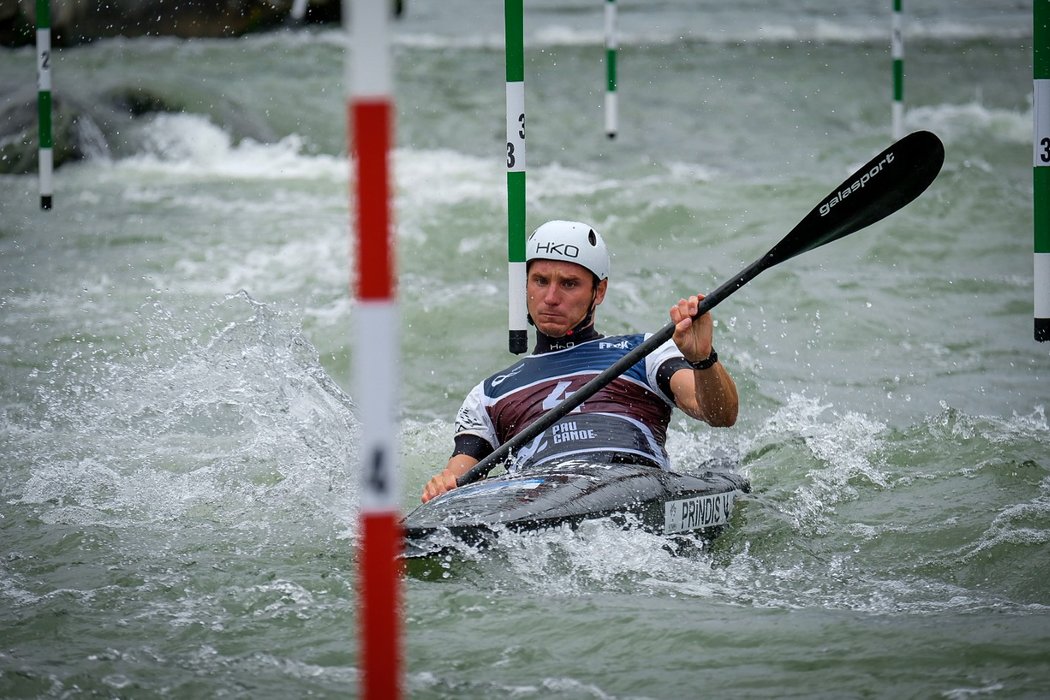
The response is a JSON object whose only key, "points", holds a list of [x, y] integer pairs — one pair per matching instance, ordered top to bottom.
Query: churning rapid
{"points": [[179, 437]]}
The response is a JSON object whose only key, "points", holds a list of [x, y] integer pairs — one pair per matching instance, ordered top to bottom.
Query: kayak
{"points": [[570, 492]]}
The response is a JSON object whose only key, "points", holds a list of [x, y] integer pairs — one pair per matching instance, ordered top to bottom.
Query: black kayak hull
{"points": [[569, 492]]}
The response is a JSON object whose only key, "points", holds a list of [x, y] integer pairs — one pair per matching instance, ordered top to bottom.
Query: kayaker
{"points": [[567, 278]]}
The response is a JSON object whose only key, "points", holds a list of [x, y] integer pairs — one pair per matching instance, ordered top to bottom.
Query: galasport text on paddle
{"points": [[887, 183]]}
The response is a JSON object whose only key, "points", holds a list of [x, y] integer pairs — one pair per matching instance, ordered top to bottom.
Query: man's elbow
{"points": [[724, 417], [727, 421]]}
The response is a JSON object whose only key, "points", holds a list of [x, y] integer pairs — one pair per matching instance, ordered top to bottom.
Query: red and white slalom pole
{"points": [[375, 364]]}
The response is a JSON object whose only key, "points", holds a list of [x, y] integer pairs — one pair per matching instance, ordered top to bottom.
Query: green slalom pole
{"points": [[897, 48], [515, 58], [610, 69], [45, 156], [1041, 164]]}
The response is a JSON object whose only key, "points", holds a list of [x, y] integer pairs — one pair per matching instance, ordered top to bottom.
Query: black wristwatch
{"points": [[705, 364]]}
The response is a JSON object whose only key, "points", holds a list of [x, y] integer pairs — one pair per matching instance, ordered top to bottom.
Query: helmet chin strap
{"points": [[585, 322]]}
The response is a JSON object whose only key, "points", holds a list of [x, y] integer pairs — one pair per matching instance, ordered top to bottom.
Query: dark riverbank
{"points": [[80, 21], [95, 121]]}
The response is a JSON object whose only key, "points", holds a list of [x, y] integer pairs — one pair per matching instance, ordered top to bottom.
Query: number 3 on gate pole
{"points": [[512, 149]]}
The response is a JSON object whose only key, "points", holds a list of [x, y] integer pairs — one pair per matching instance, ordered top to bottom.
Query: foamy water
{"points": [[179, 429]]}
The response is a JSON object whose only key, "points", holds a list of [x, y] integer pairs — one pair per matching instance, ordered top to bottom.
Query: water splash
{"points": [[243, 428], [840, 452]]}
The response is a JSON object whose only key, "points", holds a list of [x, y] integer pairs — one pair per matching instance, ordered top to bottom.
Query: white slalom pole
{"points": [[611, 116], [375, 364]]}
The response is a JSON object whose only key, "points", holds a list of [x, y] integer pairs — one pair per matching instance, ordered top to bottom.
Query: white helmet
{"points": [[570, 241]]}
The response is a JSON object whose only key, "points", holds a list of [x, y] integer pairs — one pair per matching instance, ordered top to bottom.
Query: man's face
{"points": [[559, 294]]}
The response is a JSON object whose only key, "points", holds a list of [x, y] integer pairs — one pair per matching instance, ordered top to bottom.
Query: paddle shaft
{"points": [[889, 181], [596, 384]]}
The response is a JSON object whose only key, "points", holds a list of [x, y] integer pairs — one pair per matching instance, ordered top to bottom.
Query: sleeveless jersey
{"points": [[629, 416]]}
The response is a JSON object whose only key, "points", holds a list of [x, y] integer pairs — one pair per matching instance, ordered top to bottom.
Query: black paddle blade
{"points": [[888, 182]]}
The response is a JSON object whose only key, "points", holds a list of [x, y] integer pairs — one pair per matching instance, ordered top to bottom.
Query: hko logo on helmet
{"points": [[825, 207], [570, 241], [565, 249]]}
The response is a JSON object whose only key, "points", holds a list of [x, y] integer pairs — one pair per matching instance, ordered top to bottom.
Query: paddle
{"points": [[887, 183]]}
